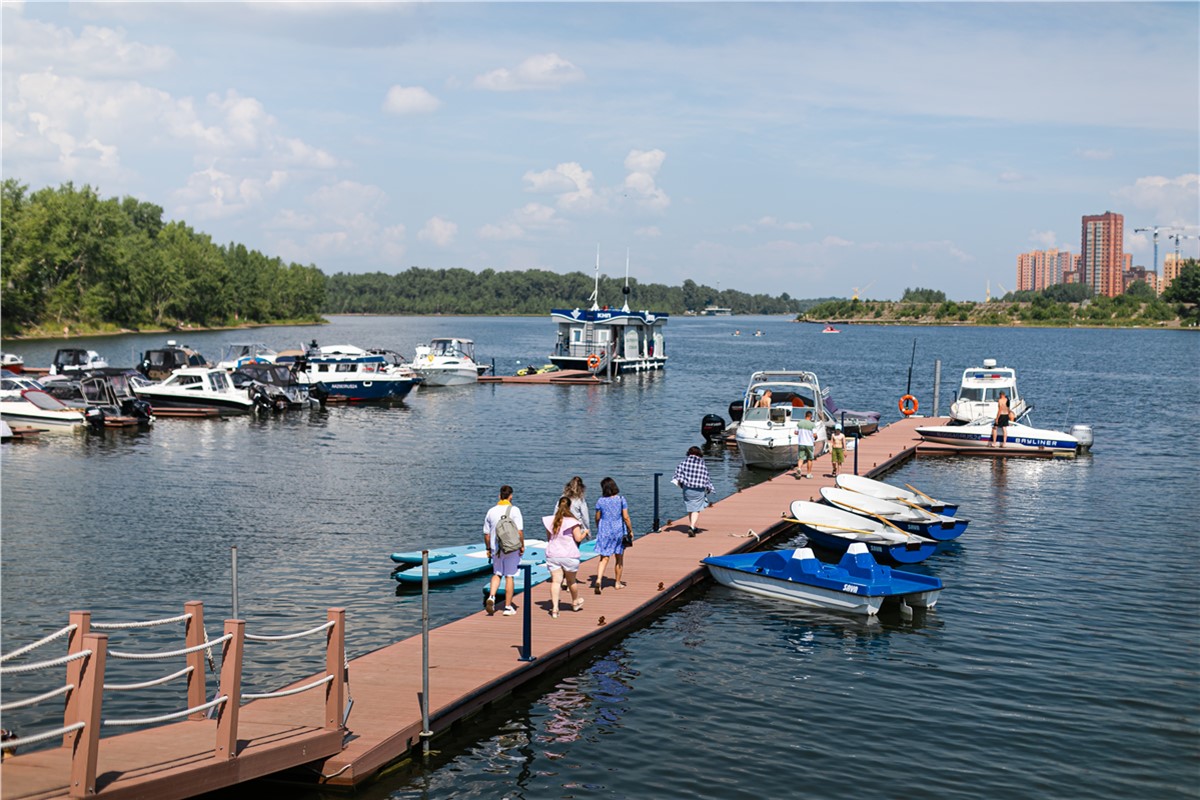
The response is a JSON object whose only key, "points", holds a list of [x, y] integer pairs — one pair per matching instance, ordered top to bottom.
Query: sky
{"points": [[809, 148]]}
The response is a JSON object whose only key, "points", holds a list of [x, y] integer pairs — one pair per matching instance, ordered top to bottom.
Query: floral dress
{"points": [[611, 532]]}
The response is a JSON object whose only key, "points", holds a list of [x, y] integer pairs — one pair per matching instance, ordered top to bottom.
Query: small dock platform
{"points": [[564, 376], [182, 411]]}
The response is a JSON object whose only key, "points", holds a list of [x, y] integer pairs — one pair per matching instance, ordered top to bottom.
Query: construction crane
{"points": [[1155, 229], [1177, 237], [863, 289]]}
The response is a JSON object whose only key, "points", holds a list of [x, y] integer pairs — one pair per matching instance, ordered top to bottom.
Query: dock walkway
{"points": [[473, 661]]}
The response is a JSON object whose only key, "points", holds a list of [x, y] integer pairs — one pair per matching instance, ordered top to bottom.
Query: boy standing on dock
{"points": [[837, 448], [504, 564]]}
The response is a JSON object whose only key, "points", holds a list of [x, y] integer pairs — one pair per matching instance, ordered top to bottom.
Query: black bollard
{"points": [[657, 523], [527, 639]]}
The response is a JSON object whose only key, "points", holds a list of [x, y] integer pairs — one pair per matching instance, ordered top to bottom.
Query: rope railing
{"points": [[150, 623], [284, 637], [23, 650], [170, 653], [37, 665], [126, 687], [286, 692], [33, 701], [168, 717], [24, 741]]}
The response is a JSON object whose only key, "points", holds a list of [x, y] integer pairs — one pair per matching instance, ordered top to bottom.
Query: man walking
{"points": [[503, 529]]}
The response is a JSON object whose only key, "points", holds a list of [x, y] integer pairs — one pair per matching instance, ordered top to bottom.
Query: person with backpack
{"points": [[504, 538]]}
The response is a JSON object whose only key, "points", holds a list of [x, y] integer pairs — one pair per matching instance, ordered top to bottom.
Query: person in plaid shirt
{"points": [[692, 477]]}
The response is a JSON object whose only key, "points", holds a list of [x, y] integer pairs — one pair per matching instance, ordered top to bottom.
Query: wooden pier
{"points": [[562, 376], [473, 661]]}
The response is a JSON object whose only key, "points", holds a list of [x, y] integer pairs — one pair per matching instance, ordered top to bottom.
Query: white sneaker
{"points": [[490, 604], [509, 611]]}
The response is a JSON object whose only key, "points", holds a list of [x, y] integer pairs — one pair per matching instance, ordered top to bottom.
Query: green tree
{"points": [[1186, 286]]}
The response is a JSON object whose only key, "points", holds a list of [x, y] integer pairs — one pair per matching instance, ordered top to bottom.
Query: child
{"points": [[837, 445]]}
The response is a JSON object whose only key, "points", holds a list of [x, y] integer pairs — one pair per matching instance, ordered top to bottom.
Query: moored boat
{"points": [[238, 354], [75, 359], [12, 362], [446, 362], [157, 364], [356, 374], [197, 387], [979, 394], [105, 395], [38, 407], [861, 423], [768, 436], [1021, 438], [885, 491], [907, 518], [834, 529], [857, 584]]}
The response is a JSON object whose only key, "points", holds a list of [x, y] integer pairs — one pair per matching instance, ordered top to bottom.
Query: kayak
{"points": [[442, 553], [472, 563]]}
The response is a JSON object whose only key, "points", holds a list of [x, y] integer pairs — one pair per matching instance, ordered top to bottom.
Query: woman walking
{"points": [[692, 476], [579, 507], [612, 523], [564, 533]]}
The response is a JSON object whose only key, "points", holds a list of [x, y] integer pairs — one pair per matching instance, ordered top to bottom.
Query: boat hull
{"points": [[620, 365], [448, 377], [365, 391], [226, 405], [36, 416], [1020, 438], [766, 454], [900, 553], [814, 596]]}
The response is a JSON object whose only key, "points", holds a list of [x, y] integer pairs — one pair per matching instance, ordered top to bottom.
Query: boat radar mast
{"points": [[625, 289], [595, 298]]}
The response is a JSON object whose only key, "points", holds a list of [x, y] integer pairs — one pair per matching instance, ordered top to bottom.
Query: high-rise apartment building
{"points": [[1102, 251], [1042, 268], [1170, 270]]}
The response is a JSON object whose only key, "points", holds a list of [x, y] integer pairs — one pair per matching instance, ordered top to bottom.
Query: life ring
{"points": [[593, 361], [908, 405]]}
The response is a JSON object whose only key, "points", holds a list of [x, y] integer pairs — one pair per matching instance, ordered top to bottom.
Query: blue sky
{"points": [[807, 148]]}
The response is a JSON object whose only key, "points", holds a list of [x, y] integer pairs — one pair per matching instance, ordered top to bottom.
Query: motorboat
{"points": [[830, 329], [603, 340], [238, 354], [74, 359], [12, 362], [446, 362], [159, 363], [356, 374], [12, 384], [197, 387], [274, 387], [979, 394], [105, 395], [36, 406], [860, 423], [768, 436], [1020, 438], [885, 491], [906, 518], [834, 529], [857, 584]]}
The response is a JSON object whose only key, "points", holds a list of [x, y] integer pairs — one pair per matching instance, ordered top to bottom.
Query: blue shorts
{"points": [[506, 564]]}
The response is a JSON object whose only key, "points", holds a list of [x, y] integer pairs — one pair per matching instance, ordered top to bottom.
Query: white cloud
{"points": [[96, 52], [546, 71], [410, 100], [643, 166], [571, 184], [212, 194], [1162, 201], [531, 217], [342, 221], [439, 231], [502, 231], [1046, 240]]}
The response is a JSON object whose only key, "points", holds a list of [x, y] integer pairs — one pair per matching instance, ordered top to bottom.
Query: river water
{"points": [[1062, 660]]}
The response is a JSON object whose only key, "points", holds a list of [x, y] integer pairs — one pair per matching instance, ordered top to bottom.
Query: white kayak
{"points": [[885, 491]]}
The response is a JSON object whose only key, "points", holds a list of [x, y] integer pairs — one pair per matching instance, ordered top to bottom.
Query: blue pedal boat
{"points": [[905, 517], [834, 529], [857, 584]]}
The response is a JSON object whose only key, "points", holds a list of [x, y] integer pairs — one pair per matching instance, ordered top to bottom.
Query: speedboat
{"points": [[830, 329], [239, 354], [74, 359], [12, 362], [446, 362], [158, 364], [359, 376], [12, 384], [197, 387], [273, 387], [103, 394], [979, 394], [40, 408], [861, 423], [768, 436], [1021, 437], [885, 491], [906, 518], [835, 529], [857, 584]]}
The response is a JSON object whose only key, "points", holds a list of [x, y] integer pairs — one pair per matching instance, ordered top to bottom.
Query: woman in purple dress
{"points": [[612, 523]]}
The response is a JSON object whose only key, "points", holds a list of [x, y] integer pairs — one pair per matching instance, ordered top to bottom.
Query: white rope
{"points": [[117, 626], [286, 636], [39, 643], [172, 653], [57, 662], [212, 665], [125, 687], [286, 692], [35, 700], [168, 717], [41, 737]]}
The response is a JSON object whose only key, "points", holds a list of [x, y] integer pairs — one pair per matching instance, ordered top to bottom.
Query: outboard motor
{"points": [[319, 392], [141, 410], [735, 411], [95, 419], [712, 426], [1084, 434]]}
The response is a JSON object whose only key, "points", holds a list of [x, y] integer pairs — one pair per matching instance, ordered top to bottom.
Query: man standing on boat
{"points": [[1001, 424], [504, 565]]}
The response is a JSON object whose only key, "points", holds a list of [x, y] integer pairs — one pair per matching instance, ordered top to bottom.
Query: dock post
{"points": [[937, 384], [857, 442], [657, 522], [233, 578], [82, 620], [193, 636], [527, 639], [335, 665], [231, 689], [425, 732], [87, 740]]}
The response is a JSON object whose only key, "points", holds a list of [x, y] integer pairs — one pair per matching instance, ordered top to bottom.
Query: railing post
{"points": [[937, 385], [857, 445], [657, 523], [82, 620], [193, 633], [527, 638], [335, 665], [231, 688], [426, 733], [86, 742]]}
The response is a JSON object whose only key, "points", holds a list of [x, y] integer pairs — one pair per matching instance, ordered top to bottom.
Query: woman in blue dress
{"points": [[612, 523]]}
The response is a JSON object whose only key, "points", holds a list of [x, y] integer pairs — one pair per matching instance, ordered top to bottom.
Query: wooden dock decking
{"points": [[562, 376], [473, 661]]}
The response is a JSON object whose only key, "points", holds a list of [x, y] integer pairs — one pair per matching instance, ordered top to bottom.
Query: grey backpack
{"points": [[507, 533]]}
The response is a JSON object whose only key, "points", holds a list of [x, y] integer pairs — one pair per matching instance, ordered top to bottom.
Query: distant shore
{"points": [[78, 332]]}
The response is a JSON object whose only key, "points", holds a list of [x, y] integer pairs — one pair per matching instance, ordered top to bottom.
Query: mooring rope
{"points": [[39, 643]]}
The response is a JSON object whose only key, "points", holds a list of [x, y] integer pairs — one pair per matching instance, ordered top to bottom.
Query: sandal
{"points": [[619, 586], [578, 604], [553, 615]]}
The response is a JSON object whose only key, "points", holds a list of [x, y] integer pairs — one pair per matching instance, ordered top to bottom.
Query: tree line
{"points": [[68, 257]]}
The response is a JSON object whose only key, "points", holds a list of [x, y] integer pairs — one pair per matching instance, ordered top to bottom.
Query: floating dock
{"points": [[562, 376], [473, 662]]}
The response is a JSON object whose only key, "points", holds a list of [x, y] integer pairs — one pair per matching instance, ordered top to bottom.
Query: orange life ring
{"points": [[593, 361], [908, 405]]}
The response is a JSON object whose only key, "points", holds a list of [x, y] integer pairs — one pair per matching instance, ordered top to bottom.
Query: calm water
{"points": [[1062, 660]]}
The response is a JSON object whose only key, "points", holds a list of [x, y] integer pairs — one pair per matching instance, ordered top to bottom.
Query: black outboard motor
{"points": [[735, 411], [95, 419], [712, 426]]}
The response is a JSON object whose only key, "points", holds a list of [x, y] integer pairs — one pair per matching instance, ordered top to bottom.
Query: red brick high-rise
{"points": [[1102, 253]]}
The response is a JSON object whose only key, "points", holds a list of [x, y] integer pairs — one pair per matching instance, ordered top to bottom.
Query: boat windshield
{"points": [[217, 382], [990, 394], [43, 400]]}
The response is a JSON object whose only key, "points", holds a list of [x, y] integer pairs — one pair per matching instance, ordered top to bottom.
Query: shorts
{"points": [[1002, 421], [805, 452], [839, 455], [563, 563], [506, 564]]}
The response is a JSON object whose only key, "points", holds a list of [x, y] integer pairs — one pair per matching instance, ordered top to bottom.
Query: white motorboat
{"points": [[239, 354], [74, 359], [12, 362], [446, 362], [12, 384], [197, 387], [979, 393], [35, 406], [768, 436], [1020, 437]]}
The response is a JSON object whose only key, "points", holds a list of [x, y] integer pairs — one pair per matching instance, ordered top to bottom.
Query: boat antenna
{"points": [[625, 289], [595, 298], [910, 367]]}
